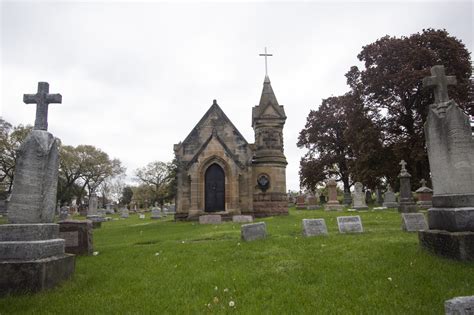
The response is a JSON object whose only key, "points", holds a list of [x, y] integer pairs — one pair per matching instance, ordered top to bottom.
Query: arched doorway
{"points": [[215, 189]]}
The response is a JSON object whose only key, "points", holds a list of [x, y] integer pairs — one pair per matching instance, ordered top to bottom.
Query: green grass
{"points": [[201, 268]]}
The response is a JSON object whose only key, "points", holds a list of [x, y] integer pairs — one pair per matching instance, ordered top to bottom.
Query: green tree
{"points": [[10, 140], [159, 177], [127, 194]]}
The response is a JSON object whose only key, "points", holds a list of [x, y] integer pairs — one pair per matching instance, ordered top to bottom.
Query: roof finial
{"points": [[266, 66]]}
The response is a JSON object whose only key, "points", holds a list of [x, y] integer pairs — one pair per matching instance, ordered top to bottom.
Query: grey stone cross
{"points": [[266, 55], [440, 82], [42, 98], [403, 164], [423, 182]]}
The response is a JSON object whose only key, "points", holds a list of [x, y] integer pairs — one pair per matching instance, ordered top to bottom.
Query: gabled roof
{"points": [[220, 113], [226, 149]]}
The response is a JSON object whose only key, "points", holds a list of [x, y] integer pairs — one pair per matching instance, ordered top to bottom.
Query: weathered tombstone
{"points": [[451, 156], [378, 194], [425, 196], [359, 197], [368, 197], [347, 198], [322, 199], [390, 200], [300, 202], [406, 202], [312, 203], [333, 203], [171, 208], [109, 209], [155, 212], [63, 213], [92, 213], [125, 213], [141, 216], [242, 218], [210, 219], [414, 222], [350, 224], [314, 227], [253, 231], [78, 236], [32, 256], [461, 305]]}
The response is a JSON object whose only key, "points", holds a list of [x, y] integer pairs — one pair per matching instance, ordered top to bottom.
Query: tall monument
{"points": [[451, 155], [32, 256]]}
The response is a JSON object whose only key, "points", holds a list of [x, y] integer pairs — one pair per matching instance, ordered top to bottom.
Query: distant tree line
{"points": [[363, 134]]}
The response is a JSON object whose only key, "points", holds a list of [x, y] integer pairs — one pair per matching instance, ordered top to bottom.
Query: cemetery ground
{"points": [[152, 266]]}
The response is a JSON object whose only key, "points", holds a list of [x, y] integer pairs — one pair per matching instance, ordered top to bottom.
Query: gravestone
{"points": [[450, 147], [378, 196], [425, 196], [359, 197], [368, 197], [347, 198], [390, 200], [300, 202], [406, 202], [312, 203], [333, 203], [171, 208], [109, 209], [92, 212], [155, 212], [63, 213], [125, 213], [141, 216], [242, 218], [210, 219], [414, 222], [350, 224], [314, 227], [253, 231], [78, 236], [32, 256], [461, 305]]}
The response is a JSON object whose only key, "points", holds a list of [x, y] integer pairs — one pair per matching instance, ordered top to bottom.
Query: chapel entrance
{"points": [[215, 189]]}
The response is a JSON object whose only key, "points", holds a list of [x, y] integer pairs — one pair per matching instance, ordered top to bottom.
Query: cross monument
{"points": [[266, 55], [439, 81], [42, 98]]}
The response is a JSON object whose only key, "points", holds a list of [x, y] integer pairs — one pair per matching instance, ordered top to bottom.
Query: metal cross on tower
{"points": [[266, 55], [42, 99]]}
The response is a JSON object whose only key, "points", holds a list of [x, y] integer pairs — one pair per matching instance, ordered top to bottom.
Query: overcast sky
{"points": [[136, 77]]}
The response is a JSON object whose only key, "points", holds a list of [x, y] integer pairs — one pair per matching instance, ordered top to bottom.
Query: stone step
{"points": [[28, 232], [31, 250]]}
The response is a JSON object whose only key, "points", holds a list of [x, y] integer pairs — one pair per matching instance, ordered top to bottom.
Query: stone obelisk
{"points": [[32, 255]]}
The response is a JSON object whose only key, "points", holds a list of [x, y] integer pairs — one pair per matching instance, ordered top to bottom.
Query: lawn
{"points": [[167, 267]]}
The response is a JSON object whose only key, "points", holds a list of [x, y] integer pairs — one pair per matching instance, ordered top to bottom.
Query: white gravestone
{"points": [[350, 224]]}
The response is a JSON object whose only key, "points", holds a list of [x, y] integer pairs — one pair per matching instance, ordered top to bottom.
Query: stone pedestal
{"points": [[425, 196], [359, 197], [300, 202], [312, 203], [333, 203], [406, 204], [78, 236], [32, 258]]}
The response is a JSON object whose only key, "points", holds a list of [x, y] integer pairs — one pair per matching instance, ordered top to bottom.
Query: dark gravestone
{"points": [[78, 236]]}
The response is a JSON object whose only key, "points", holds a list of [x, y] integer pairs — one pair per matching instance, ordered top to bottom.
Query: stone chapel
{"points": [[219, 172]]}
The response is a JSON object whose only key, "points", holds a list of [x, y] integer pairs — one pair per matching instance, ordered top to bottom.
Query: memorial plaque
{"points": [[414, 222], [350, 224], [314, 227], [71, 238]]}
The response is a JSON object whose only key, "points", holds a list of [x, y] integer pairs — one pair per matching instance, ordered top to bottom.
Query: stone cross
{"points": [[266, 55], [440, 82], [42, 98], [403, 164], [423, 182]]}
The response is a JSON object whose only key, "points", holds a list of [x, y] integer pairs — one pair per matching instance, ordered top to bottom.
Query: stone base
{"points": [[270, 204], [390, 204], [424, 204], [301, 206], [333, 206], [407, 207], [96, 218], [451, 219], [78, 236], [454, 245], [35, 275]]}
